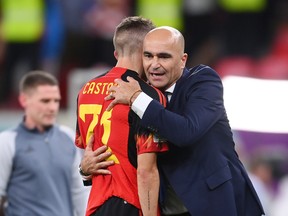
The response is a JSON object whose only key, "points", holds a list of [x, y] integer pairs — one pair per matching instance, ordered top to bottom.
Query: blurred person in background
{"points": [[170, 12], [101, 20], [23, 24], [90, 27], [244, 27], [200, 31], [53, 40], [39, 162], [260, 172], [279, 205]]}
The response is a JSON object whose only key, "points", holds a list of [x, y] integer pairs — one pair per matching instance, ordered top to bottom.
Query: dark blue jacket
{"points": [[202, 165]]}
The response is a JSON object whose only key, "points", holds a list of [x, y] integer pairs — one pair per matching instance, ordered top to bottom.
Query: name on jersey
{"points": [[97, 88]]}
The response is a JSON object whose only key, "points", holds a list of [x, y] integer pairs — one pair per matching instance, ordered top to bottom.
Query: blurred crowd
{"points": [[236, 37]]}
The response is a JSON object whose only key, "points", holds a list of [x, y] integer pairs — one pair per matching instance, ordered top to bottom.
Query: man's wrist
{"points": [[134, 96], [140, 104], [82, 173], [86, 178]]}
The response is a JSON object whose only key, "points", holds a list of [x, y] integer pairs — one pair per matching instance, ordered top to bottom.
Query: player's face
{"points": [[163, 60], [41, 106]]}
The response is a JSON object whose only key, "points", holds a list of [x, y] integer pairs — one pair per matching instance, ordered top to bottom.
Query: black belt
{"points": [[183, 214]]}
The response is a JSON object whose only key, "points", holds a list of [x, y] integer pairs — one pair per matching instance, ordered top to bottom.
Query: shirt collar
{"points": [[171, 88], [34, 130]]}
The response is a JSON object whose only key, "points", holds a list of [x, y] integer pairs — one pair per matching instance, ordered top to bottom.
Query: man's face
{"points": [[163, 59], [41, 106]]}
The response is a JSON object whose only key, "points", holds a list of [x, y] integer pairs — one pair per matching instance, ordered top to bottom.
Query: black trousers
{"points": [[116, 206], [184, 214]]}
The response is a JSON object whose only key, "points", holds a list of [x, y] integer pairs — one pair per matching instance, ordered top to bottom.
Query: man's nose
{"points": [[155, 62]]}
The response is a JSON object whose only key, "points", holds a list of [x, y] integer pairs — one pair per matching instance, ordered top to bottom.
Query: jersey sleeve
{"points": [[150, 143]]}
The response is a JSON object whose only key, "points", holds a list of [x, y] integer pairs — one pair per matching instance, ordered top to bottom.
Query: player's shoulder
{"points": [[130, 73]]}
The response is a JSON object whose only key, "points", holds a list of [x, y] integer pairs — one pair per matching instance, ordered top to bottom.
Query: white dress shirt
{"points": [[141, 103]]}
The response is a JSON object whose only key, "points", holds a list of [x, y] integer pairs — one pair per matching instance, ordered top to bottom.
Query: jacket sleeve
{"points": [[196, 105]]}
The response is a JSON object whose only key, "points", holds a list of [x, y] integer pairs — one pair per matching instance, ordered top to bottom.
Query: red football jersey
{"points": [[120, 130]]}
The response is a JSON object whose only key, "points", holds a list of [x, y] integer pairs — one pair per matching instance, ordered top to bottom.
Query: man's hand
{"points": [[123, 92], [93, 162], [2, 203]]}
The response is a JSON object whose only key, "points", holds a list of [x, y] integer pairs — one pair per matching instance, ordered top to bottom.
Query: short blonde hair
{"points": [[129, 34]]}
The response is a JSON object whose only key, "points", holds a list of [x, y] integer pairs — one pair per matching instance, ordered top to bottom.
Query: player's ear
{"points": [[116, 54]]}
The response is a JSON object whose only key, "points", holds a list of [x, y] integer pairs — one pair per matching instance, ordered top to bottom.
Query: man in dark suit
{"points": [[202, 174]]}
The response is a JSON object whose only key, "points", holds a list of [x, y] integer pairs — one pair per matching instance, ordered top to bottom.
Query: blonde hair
{"points": [[130, 33]]}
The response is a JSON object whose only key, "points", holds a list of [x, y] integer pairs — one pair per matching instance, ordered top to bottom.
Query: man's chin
{"points": [[157, 84], [47, 126]]}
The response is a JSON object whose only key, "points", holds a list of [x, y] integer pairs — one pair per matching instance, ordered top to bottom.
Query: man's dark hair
{"points": [[33, 79]]}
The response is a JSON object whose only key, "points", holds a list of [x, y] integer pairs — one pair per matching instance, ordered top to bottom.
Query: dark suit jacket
{"points": [[202, 166]]}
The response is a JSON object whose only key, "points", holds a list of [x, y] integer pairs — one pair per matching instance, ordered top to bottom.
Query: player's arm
{"points": [[148, 147], [148, 183], [2, 203]]}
